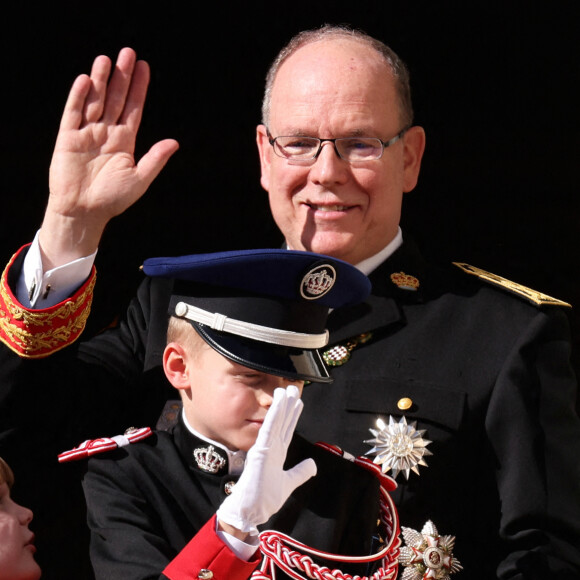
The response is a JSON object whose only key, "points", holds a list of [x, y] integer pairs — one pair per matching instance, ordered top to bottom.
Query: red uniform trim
{"points": [[40, 333], [207, 551]]}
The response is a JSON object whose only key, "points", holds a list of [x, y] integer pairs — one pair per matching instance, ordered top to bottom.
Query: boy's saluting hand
{"points": [[264, 485]]}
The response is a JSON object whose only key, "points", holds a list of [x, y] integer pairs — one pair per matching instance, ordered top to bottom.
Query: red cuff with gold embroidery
{"points": [[40, 333]]}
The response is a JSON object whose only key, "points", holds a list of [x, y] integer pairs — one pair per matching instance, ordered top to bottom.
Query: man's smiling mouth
{"points": [[317, 207]]}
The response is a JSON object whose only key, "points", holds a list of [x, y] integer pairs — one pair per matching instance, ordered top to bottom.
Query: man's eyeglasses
{"points": [[351, 149]]}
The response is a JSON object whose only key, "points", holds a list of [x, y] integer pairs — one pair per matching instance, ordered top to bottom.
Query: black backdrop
{"points": [[496, 86]]}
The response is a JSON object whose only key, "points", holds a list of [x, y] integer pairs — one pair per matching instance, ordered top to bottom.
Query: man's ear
{"points": [[414, 143], [265, 151], [175, 365]]}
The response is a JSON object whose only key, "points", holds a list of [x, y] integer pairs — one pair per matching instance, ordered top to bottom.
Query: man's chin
{"points": [[333, 244]]}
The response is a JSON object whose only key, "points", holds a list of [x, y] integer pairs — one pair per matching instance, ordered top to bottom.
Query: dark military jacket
{"points": [[487, 372], [488, 377], [148, 500]]}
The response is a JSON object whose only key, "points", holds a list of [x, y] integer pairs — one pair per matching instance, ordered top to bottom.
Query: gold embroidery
{"points": [[533, 296], [42, 318], [22, 330]]}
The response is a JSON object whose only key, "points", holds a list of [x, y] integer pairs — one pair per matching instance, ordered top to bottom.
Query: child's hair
{"points": [[181, 331], [6, 474]]}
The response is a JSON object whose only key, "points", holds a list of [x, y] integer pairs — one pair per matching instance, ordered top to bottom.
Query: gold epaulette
{"points": [[533, 296], [40, 333]]}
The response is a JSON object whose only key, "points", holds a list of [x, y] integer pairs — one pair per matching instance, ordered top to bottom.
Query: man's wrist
{"points": [[63, 240]]}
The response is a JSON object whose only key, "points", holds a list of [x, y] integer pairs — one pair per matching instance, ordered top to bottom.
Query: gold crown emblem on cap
{"points": [[404, 281], [317, 282], [208, 459]]}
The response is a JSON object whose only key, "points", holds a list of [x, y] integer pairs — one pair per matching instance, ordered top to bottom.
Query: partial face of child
{"points": [[227, 402], [16, 540]]}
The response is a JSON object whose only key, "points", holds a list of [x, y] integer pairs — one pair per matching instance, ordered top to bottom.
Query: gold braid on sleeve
{"points": [[40, 333]]}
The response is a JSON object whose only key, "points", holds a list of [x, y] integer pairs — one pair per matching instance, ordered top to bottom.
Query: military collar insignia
{"points": [[405, 281], [317, 282], [533, 296], [340, 353], [93, 446], [398, 446], [208, 459], [427, 554]]}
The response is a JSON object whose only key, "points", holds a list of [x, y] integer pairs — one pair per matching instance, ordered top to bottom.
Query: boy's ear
{"points": [[175, 365]]}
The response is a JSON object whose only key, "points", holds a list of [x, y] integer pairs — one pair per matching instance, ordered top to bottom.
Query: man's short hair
{"points": [[329, 31]]}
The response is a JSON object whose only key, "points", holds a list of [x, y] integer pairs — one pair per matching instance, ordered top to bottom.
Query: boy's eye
{"points": [[248, 377]]}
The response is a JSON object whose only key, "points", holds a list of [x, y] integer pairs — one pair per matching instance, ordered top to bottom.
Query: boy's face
{"points": [[227, 402], [16, 540]]}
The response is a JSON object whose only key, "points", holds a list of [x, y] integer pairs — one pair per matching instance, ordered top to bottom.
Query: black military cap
{"points": [[265, 309]]}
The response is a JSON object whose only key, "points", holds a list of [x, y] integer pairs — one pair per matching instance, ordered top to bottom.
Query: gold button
{"points": [[404, 403], [205, 574]]}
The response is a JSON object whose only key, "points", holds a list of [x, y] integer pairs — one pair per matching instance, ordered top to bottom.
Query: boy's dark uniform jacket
{"points": [[487, 372], [147, 501]]}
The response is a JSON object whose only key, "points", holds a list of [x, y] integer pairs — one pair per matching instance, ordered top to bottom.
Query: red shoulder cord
{"points": [[290, 556]]}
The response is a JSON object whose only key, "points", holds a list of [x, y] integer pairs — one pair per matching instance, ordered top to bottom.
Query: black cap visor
{"points": [[280, 361]]}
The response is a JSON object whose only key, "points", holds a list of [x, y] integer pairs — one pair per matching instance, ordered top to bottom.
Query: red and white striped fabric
{"points": [[94, 446], [281, 552]]}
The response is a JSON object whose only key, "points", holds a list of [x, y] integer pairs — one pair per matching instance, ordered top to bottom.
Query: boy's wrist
{"points": [[232, 531]]}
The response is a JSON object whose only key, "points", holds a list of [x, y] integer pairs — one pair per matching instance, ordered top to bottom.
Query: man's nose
{"points": [[329, 167]]}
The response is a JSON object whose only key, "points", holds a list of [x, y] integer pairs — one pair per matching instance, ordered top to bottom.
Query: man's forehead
{"points": [[348, 54], [339, 86]]}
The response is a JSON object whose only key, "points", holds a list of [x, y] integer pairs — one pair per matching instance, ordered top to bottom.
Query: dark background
{"points": [[496, 86]]}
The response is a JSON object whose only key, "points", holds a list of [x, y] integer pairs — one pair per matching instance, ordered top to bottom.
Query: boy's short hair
{"points": [[179, 330], [6, 474]]}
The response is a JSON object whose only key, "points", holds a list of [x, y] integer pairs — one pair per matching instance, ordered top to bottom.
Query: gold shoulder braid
{"points": [[533, 296], [340, 353]]}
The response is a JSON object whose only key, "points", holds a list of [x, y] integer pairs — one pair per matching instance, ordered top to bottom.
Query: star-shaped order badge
{"points": [[399, 447], [427, 555]]}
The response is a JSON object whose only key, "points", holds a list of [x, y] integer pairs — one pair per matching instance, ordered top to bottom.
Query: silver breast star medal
{"points": [[398, 446], [427, 555]]}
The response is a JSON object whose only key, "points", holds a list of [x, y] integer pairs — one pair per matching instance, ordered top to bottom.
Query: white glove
{"points": [[264, 486]]}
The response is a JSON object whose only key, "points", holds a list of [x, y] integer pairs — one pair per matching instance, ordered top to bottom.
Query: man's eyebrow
{"points": [[296, 133], [352, 133]]}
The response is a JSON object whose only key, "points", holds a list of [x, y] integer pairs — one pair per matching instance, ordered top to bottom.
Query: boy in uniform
{"points": [[189, 502]]}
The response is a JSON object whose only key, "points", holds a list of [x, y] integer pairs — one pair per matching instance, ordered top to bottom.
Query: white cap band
{"points": [[220, 322]]}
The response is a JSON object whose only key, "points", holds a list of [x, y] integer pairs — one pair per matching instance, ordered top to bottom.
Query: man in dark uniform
{"points": [[481, 364]]}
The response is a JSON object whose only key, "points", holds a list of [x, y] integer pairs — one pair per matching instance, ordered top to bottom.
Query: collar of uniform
{"points": [[405, 259], [372, 263], [383, 307], [235, 460]]}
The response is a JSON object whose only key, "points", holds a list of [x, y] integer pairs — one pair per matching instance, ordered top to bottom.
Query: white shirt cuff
{"points": [[38, 289], [243, 550]]}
